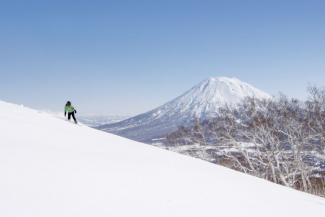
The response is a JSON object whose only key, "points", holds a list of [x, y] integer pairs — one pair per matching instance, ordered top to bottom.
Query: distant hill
{"points": [[93, 120]]}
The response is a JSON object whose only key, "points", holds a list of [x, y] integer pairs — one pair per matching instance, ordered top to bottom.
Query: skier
{"points": [[71, 111]]}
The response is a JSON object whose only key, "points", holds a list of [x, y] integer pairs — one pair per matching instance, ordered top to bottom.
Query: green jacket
{"points": [[69, 109]]}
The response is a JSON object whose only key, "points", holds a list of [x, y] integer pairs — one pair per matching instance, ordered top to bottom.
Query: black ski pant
{"points": [[69, 116]]}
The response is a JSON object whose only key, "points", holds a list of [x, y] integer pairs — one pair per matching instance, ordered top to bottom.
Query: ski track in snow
{"points": [[52, 168]]}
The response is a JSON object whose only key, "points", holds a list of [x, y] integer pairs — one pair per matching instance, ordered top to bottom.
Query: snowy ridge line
{"points": [[202, 101], [91, 120]]}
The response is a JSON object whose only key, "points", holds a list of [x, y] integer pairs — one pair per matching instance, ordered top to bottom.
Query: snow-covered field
{"points": [[50, 167]]}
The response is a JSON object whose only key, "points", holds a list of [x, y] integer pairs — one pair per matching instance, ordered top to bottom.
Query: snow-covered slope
{"points": [[202, 101], [49, 167]]}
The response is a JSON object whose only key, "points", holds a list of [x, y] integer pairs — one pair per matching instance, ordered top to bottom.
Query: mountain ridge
{"points": [[201, 101]]}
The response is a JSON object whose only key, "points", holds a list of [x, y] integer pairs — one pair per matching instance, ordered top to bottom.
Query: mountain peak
{"points": [[213, 79], [217, 80], [223, 90], [202, 101]]}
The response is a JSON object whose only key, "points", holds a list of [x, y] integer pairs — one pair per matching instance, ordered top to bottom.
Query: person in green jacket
{"points": [[70, 109]]}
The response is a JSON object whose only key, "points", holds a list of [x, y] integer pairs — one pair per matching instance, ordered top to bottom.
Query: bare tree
{"points": [[278, 140]]}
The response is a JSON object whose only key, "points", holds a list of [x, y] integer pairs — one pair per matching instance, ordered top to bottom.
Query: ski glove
{"points": [[75, 111], [65, 114]]}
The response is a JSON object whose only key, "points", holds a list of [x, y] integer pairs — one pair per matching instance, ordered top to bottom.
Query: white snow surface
{"points": [[206, 97], [202, 101], [49, 167]]}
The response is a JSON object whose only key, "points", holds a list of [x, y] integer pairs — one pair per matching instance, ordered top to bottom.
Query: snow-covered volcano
{"points": [[202, 101]]}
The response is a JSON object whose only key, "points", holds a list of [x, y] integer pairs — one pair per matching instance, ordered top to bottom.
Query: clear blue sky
{"points": [[127, 57]]}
